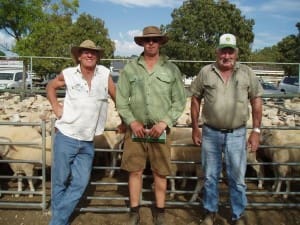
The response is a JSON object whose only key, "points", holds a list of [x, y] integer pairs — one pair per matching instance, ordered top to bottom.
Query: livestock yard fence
{"points": [[6, 177], [108, 188]]}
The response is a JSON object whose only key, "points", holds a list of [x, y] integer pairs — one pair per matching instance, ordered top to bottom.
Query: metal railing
{"points": [[40, 193], [110, 194]]}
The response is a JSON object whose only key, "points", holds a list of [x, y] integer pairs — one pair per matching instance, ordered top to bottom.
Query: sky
{"points": [[124, 19]]}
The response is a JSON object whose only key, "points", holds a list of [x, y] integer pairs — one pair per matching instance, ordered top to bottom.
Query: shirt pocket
{"points": [[163, 84], [77, 90], [210, 90]]}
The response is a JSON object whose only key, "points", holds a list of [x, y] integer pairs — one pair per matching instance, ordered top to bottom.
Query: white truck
{"points": [[12, 75], [13, 79]]}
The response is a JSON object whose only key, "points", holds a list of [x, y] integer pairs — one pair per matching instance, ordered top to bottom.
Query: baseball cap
{"points": [[227, 41]]}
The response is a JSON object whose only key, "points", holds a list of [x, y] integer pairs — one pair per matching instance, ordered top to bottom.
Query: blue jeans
{"points": [[233, 147], [70, 174]]}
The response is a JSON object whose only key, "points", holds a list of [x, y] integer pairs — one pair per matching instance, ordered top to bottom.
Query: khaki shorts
{"points": [[135, 156]]}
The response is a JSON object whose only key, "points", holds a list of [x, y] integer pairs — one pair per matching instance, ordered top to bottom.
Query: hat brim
{"points": [[139, 40], [227, 46], [75, 51]]}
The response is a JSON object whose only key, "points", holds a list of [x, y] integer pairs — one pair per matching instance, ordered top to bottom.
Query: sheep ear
{"points": [[5, 148]]}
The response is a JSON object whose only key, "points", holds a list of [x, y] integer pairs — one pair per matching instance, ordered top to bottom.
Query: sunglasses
{"points": [[151, 39], [88, 51]]}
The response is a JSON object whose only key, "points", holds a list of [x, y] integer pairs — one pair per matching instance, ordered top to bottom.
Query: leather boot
{"points": [[134, 218], [159, 219], [209, 219]]}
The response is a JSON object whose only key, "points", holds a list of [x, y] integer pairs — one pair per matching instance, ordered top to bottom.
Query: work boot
{"points": [[134, 218], [159, 219], [209, 219], [240, 221]]}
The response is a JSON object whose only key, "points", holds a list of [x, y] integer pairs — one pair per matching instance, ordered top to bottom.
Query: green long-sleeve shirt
{"points": [[150, 97]]}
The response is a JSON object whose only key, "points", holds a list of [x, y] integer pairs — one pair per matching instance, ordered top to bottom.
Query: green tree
{"points": [[17, 17], [88, 27], [196, 27], [54, 37], [51, 38], [289, 49], [2, 53], [267, 54]]}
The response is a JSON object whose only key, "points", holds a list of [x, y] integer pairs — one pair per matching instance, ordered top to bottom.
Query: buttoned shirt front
{"points": [[150, 97], [226, 103], [84, 109]]}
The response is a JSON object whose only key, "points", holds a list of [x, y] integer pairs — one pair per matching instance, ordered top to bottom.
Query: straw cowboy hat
{"points": [[151, 31], [87, 44]]}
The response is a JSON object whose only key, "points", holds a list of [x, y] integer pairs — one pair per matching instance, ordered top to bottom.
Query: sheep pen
{"points": [[179, 215]]}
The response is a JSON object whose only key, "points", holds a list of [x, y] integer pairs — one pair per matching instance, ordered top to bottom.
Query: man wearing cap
{"points": [[227, 87], [150, 98], [81, 116]]}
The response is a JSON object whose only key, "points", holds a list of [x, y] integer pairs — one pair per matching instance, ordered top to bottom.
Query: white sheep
{"points": [[11, 134], [275, 138], [110, 139], [183, 149]]}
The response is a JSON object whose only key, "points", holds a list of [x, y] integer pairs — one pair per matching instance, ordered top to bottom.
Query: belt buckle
{"points": [[226, 130]]}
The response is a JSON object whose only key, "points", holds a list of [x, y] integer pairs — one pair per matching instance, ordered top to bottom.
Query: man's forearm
{"points": [[256, 105], [195, 111]]}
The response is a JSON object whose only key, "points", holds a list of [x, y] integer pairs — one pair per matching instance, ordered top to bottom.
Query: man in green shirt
{"points": [[226, 87], [150, 98]]}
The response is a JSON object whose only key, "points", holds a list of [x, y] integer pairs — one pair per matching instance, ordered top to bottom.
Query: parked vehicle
{"points": [[13, 79], [41, 82], [289, 84], [270, 88]]}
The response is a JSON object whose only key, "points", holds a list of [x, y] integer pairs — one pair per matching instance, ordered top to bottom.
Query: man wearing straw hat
{"points": [[150, 98], [79, 119]]}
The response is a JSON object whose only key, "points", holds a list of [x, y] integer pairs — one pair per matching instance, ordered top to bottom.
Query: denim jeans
{"points": [[215, 145], [70, 174]]}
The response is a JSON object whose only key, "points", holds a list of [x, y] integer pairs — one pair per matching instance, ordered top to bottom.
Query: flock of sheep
{"points": [[274, 137]]}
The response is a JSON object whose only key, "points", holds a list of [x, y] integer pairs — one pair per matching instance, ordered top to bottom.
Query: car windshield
{"points": [[6, 76], [290, 80], [268, 86]]}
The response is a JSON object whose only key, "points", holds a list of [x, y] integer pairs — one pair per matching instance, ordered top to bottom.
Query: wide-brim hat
{"points": [[151, 31], [227, 41], [87, 44]]}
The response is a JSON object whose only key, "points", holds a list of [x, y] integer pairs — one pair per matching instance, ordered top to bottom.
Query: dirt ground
{"points": [[175, 215], [188, 216]]}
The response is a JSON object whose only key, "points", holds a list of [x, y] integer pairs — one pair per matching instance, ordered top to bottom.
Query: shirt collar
{"points": [[162, 59], [235, 68], [78, 70]]}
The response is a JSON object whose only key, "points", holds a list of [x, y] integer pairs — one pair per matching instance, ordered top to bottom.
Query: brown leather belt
{"points": [[222, 130]]}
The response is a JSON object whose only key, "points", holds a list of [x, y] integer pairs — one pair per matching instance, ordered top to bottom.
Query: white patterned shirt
{"points": [[84, 110]]}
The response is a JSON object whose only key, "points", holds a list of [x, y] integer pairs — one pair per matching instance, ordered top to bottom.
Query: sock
{"points": [[134, 209], [160, 210]]}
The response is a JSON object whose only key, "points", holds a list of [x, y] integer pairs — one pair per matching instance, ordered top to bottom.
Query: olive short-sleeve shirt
{"points": [[226, 104]]}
